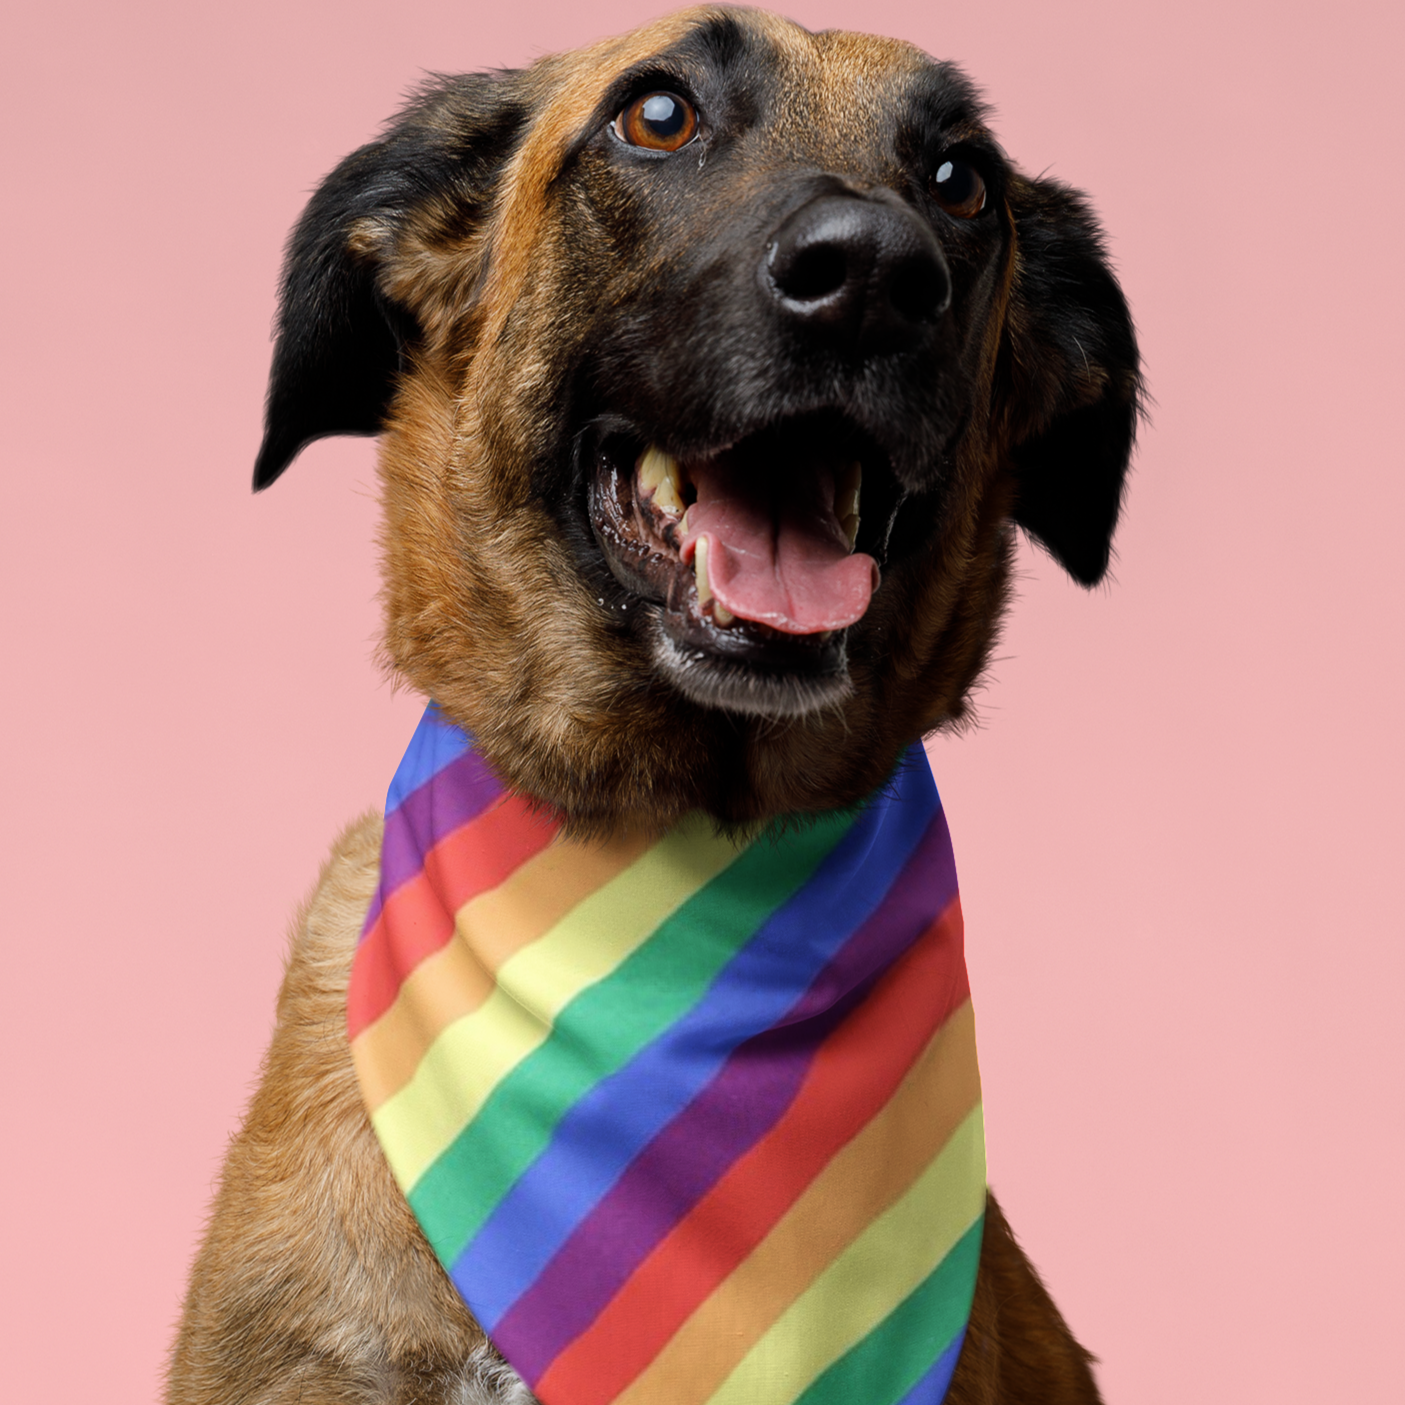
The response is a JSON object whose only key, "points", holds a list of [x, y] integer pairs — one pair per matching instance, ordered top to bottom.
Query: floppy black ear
{"points": [[340, 336], [1075, 379]]}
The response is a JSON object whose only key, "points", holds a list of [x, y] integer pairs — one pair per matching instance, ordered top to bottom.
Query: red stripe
{"points": [[418, 918], [854, 1074]]}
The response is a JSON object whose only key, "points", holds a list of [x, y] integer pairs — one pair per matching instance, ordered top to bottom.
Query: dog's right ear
{"points": [[341, 337], [1072, 376]]}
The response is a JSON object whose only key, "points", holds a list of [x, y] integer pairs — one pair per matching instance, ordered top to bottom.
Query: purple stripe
{"points": [[448, 800], [730, 1115]]}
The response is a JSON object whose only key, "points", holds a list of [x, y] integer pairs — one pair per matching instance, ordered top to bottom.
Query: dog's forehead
{"points": [[837, 82], [843, 84]]}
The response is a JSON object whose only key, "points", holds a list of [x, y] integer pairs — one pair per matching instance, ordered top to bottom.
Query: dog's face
{"points": [[713, 364]]}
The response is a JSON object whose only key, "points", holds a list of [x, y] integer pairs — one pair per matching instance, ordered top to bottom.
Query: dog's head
{"points": [[712, 364]]}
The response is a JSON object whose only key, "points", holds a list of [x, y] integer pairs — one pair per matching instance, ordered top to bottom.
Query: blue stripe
{"points": [[434, 745], [597, 1139], [932, 1388]]}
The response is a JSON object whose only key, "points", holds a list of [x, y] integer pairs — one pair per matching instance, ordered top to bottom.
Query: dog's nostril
{"points": [[812, 273], [919, 290]]}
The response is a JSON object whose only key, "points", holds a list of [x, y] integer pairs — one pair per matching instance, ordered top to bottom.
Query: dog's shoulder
{"points": [[328, 927], [314, 1277]]}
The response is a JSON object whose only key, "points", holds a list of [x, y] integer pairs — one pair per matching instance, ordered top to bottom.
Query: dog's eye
{"points": [[658, 121], [958, 188]]}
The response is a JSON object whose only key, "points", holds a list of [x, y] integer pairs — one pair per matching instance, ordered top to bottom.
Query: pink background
{"points": [[1179, 824]]}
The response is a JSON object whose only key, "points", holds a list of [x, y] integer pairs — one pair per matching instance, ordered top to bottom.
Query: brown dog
{"points": [[719, 255]]}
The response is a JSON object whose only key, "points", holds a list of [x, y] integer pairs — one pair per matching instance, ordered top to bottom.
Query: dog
{"points": [[717, 260]]}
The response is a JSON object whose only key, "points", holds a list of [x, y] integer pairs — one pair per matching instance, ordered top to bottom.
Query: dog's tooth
{"points": [[653, 468], [658, 475], [846, 499], [850, 526], [700, 572], [720, 613]]}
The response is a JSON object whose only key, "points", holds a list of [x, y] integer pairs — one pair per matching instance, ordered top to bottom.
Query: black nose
{"points": [[864, 275]]}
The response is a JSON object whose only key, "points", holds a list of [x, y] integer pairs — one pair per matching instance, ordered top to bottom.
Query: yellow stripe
{"points": [[491, 928], [472, 1055], [861, 1182], [869, 1279]]}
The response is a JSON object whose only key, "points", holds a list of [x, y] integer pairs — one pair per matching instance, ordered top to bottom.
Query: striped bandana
{"points": [[688, 1122]]}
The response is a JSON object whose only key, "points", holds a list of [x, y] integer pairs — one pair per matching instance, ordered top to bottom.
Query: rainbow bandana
{"points": [[688, 1122]]}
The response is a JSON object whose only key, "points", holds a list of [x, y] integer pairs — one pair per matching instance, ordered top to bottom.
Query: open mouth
{"points": [[759, 556]]}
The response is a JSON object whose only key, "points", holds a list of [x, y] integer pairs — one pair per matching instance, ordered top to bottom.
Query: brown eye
{"points": [[657, 121], [958, 188]]}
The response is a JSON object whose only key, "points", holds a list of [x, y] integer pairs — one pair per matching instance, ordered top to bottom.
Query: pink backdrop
{"points": [[1176, 824]]}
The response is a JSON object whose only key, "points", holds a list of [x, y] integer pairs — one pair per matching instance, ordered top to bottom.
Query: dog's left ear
{"points": [[341, 332], [1073, 378]]}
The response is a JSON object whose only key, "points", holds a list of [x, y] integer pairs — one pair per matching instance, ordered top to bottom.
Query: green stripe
{"points": [[599, 1031], [887, 1363]]}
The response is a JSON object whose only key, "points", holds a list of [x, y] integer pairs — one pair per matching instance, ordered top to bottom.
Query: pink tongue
{"points": [[778, 557]]}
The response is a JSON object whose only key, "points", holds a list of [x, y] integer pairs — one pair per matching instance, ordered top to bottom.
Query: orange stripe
{"points": [[417, 919], [491, 927], [763, 1194]]}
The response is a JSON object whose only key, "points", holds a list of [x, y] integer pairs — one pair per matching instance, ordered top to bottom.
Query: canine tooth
{"points": [[658, 474], [846, 500], [850, 526], [700, 572], [721, 613]]}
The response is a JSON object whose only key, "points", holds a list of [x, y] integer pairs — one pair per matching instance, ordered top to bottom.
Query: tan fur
{"points": [[306, 1183]]}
